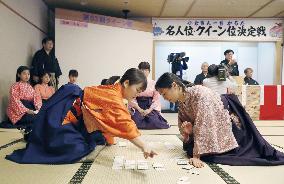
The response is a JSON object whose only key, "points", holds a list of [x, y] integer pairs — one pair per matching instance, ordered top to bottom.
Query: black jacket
{"points": [[42, 62], [233, 69], [199, 79], [250, 81]]}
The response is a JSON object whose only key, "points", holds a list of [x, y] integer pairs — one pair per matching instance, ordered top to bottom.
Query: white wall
{"points": [[33, 10], [19, 40], [100, 51], [259, 56], [266, 63]]}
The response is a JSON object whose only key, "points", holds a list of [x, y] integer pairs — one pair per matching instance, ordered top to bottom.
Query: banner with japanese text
{"points": [[218, 29]]}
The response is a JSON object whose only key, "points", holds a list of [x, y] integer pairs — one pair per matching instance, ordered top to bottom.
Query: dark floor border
{"points": [[11, 143], [277, 146], [218, 170], [81, 173], [223, 174]]}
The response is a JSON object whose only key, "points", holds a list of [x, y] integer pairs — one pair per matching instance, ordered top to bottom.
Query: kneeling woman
{"points": [[44, 88], [24, 102], [146, 106], [216, 129], [65, 131]]}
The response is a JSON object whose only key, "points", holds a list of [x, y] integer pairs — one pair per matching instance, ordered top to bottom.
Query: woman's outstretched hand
{"points": [[148, 152]]}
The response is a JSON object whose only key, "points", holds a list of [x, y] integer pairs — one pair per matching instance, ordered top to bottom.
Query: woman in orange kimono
{"points": [[73, 122]]}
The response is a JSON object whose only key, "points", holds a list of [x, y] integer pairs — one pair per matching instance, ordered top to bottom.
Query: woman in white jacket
{"points": [[221, 87]]}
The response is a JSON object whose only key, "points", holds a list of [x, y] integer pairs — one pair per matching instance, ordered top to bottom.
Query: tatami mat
{"points": [[172, 118], [275, 123], [9, 130], [173, 130], [271, 130], [7, 137], [276, 140], [101, 171], [13, 173], [257, 175]]}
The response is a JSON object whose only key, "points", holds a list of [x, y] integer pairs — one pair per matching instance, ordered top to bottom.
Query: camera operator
{"points": [[178, 63]]}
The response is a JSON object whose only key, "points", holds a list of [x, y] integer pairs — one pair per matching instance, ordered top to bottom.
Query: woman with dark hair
{"points": [[112, 80], [103, 82], [221, 87], [44, 88], [24, 102], [146, 106], [66, 132], [209, 133]]}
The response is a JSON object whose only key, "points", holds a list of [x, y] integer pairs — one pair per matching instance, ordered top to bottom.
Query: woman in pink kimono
{"points": [[24, 102], [147, 107], [216, 128]]}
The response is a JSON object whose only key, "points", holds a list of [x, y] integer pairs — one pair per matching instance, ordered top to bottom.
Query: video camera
{"points": [[174, 57], [223, 72]]}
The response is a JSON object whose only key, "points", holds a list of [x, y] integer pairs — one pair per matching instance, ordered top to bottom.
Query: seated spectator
{"points": [[73, 75], [200, 77], [248, 78], [112, 80], [103, 82], [221, 87], [44, 88], [24, 103], [147, 106]]}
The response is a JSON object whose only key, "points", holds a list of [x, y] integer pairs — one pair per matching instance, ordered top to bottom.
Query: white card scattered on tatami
{"points": [[122, 144], [118, 162], [182, 162], [130, 164], [142, 165], [158, 166], [187, 167]]}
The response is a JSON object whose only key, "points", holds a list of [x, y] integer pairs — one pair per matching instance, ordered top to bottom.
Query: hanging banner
{"points": [[82, 19], [73, 23], [218, 29]]}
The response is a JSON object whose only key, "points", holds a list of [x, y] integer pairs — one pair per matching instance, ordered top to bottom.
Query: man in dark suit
{"points": [[44, 60], [230, 63], [200, 77]]}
